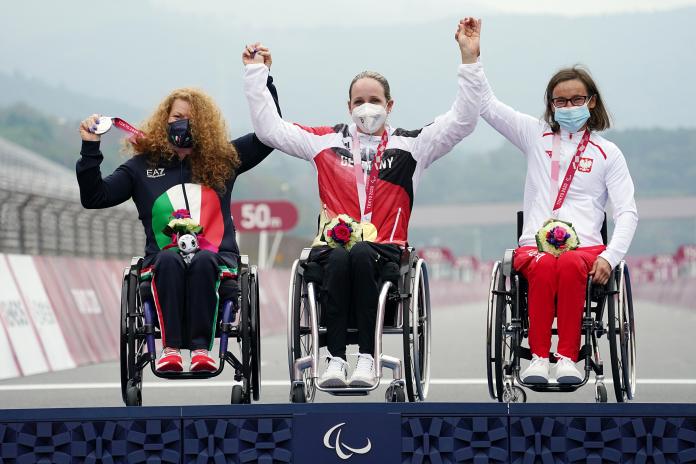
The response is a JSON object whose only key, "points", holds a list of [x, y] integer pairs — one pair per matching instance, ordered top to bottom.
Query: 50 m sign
{"points": [[258, 216]]}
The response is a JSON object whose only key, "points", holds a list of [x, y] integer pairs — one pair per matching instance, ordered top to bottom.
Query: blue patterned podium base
{"points": [[429, 433]]}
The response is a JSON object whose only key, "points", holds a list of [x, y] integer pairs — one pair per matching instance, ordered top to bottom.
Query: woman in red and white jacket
{"points": [[588, 171], [369, 172]]}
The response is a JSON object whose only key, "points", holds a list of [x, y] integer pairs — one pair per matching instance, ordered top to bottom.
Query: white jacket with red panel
{"points": [[407, 155], [602, 175]]}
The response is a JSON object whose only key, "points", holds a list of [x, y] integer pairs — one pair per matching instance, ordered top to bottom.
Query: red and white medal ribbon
{"points": [[105, 123], [366, 193], [560, 193]]}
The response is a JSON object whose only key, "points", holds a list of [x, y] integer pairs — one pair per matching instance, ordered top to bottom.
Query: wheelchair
{"points": [[403, 308], [239, 319], [508, 326]]}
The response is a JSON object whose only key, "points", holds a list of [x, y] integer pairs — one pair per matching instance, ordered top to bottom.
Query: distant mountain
{"points": [[643, 62], [59, 100]]}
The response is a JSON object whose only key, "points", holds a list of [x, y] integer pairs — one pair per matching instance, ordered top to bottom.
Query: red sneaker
{"points": [[170, 361], [202, 362]]}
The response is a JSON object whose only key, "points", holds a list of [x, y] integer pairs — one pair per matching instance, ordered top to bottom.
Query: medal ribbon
{"points": [[125, 126], [562, 192], [366, 195]]}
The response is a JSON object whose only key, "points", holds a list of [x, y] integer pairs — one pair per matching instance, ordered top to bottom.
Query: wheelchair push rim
{"points": [[490, 318], [622, 335], [417, 336], [300, 344], [131, 346]]}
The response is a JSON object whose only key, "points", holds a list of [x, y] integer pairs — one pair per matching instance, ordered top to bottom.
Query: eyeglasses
{"points": [[577, 100]]}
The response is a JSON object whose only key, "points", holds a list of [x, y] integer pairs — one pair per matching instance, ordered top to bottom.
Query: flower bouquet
{"points": [[181, 223], [342, 231], [187, 234], [556, 237]]}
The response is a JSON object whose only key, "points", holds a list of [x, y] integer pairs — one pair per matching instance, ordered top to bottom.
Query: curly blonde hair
{"points": [[213, 159]]}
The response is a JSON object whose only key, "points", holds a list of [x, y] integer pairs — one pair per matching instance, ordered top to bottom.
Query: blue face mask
{"points": [[573, 118]]}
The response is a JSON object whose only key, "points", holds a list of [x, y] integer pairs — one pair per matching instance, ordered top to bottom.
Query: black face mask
{"points": [[179, 133]]}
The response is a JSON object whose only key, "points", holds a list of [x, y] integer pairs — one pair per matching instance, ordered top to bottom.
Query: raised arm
{"points": [[269, 127], [519, 128], [437, 139], [250, 149], [96, 192]]}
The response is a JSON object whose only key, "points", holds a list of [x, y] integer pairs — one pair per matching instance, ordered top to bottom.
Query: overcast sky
{"points": [[310, 13], [136, 51]]}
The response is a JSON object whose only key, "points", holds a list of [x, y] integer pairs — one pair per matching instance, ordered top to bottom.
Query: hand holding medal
{"points": [[95, 125]]}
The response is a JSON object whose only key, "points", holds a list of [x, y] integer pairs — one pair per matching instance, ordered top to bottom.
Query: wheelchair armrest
{"points": [[304, 256], [507, 262]]}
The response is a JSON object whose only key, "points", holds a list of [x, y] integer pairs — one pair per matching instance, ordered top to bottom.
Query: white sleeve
{"points": [[269, 127], [519, 128], [438, 138], [620, 190]]}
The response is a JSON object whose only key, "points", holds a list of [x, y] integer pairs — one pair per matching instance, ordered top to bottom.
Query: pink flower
{"points": [[181, 214], [341, 232], [559, 233]]}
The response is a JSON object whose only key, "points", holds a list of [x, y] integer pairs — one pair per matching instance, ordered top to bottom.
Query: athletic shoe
{"points": [[170, 361], [202, 362], [565, 371], [537, 372], [364, 373], [335, 374]]}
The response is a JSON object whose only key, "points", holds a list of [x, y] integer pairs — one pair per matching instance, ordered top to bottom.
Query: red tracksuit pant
{"points": [[552, 280]]}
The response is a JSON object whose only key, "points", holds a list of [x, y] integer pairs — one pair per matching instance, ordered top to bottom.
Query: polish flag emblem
{"points": [[585, 165]]}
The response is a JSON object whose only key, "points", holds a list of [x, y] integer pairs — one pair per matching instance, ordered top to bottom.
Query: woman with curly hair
{"points": [[183, 167]]}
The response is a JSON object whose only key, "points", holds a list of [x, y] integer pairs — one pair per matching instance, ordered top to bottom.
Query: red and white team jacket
{"points": [[407, 155], [601, 175]]}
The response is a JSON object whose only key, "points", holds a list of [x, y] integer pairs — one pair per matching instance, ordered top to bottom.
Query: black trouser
{"points": [[352, 282], [186, 297]]}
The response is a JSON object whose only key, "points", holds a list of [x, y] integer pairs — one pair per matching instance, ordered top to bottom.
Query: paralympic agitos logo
{"points": [[343, 451]]}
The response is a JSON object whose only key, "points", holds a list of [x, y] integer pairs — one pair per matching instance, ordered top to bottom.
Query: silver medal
{"points": [[103, 125]]}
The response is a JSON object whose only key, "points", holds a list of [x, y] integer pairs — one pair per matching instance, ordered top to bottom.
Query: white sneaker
{"points": [[565, 371], [537, 372], [364, 373], [335, 374]]}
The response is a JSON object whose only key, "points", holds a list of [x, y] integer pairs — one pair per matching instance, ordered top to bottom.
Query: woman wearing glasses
{"points": [[571, 173]]}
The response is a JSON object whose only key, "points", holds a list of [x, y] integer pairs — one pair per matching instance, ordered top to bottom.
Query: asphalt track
{"points": [[666, 369]]}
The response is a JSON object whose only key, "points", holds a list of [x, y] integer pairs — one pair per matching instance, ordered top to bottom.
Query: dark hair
{"points": [[372, 75], [599, 117]]}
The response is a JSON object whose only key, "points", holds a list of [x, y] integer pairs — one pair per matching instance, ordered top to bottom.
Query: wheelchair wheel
{"points": [[497, 280], [246, 330], [255, 334], [416, 336], [123, 338], [300, 340], [622, 342], [504, 343], [130, 346], [297, 394], [395, 394], [134, 396], [237, 396]]}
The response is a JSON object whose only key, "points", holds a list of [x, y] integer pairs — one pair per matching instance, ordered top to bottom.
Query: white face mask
{"points": [[369, 117]]}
